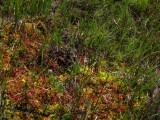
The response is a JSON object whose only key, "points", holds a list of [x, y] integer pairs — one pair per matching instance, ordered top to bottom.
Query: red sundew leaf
{"points": [[16, 36], [81, 58], [53, 64], [12, 74], [16, 74], [42, 78], [78, 79], [115, 87], [100, 89], [30, 93], [10, 95], [115, 96], [93, 97], [120, 97], [16, 98], [54, 99], [106, 100], [82, 102], [35, 103], [122, 107], [107, 114], [103, 115]]}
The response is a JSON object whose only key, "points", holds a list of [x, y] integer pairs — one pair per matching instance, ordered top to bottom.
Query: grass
{"points": [[95, 59]]}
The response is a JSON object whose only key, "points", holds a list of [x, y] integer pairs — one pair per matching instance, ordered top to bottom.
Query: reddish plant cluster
{"points": [[22, 89], [30, 89]]}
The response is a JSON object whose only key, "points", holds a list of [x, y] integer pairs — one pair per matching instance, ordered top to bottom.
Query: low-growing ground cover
{"points": [[79, 60]]}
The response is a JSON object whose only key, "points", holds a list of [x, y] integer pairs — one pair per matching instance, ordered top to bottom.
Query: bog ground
{"points": [[79, 60]]}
